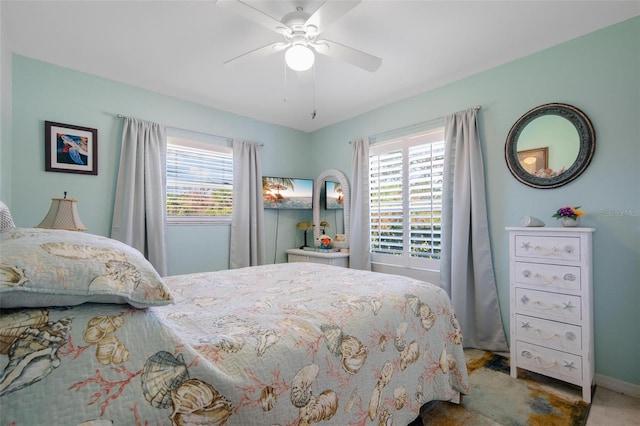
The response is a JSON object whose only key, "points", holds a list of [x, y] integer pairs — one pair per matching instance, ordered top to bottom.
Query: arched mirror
{"points": [[550, 145], [331, 174]]}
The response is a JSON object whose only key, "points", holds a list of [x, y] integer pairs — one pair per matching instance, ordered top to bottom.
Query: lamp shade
{"points": [[63, 214], [325, 224], [304, 225]]}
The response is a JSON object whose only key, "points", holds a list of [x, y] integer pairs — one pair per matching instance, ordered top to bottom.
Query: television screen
{"points": [[287, 193], [333, 198]]}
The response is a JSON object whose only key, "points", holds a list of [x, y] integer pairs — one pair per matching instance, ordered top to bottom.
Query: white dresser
{"points": [[328, 258], [552, 303]]}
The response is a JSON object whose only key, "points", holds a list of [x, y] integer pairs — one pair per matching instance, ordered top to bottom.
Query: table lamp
{"points": [[63, 214]]}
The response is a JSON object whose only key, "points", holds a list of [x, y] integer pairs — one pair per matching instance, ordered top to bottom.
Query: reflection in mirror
{"points": [[550, 145], [533, 160]]}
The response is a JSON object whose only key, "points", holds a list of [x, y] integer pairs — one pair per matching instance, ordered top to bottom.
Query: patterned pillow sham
{"points": [[45, 267]]}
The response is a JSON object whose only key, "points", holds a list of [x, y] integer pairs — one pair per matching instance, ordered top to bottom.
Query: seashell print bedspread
{"points": [[284, 344]]}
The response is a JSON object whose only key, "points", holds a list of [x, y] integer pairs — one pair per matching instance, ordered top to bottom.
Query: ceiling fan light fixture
{"points": [[299, 57]]}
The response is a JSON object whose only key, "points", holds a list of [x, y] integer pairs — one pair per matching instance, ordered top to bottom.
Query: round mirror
{"points": [[550, 145]]}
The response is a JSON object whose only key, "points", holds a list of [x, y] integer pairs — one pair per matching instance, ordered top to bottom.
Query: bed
{"points": [[91, 335]]}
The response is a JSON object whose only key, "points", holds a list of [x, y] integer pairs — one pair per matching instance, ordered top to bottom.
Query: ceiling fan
{"points": [[300, 31]]}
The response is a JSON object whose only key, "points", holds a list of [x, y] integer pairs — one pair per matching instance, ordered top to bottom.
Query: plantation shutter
{"points": [[406, 199], [425, 199], [387, 202]]}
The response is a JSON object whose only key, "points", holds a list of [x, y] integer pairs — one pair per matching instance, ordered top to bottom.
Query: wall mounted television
{"points": [[287, 193], [333, 197]]}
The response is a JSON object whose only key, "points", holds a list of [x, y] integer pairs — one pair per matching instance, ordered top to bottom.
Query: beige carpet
{"points": [[496, 398]]}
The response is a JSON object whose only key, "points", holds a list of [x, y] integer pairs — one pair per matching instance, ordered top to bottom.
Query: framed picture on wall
{"points": [[70, 149]]}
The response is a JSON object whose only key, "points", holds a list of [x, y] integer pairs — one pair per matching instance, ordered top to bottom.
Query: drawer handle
{"points": [[547, 252], [545, 280], [546, 307], [542, 336], [546, 367]]}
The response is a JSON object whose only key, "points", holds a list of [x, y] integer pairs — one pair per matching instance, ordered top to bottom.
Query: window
{"points": [[405, 177], [199, 180]]}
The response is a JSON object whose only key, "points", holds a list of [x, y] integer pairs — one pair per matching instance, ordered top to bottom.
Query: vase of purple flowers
{"points": [[569, 216]]}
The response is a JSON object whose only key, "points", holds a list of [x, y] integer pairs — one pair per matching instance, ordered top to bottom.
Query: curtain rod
{"points": [[423, 123], [185, 130]]}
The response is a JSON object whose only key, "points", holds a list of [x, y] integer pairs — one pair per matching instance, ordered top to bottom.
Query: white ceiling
{"points": [[178, 48]]}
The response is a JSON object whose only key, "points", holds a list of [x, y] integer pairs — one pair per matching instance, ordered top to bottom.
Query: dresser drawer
{"points": [[542, 247], [559, 277], [557, 306], [555, 335], [561, 365]]}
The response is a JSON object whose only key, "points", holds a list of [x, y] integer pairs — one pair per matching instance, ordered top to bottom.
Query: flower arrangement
{"points": [[570, 212]]}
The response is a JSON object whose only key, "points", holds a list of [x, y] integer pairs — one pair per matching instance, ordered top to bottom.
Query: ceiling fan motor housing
{"points": [[300, 34]]}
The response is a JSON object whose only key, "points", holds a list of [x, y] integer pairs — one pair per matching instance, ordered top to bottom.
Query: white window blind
{"points": [[199, 181], [406, 199]]}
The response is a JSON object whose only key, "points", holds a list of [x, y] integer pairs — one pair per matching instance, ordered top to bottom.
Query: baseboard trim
{"points": [[618, 385]]}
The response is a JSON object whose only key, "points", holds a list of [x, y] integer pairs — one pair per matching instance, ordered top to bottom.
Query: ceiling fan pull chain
{"points": [[285, 82], [313, 88]]}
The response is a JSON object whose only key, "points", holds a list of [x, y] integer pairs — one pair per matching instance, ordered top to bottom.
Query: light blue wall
{"points": [[598, 73], [43, 91], [5, 113]]}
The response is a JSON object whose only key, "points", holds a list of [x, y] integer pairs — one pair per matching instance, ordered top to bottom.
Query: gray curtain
{"points": [[139, 212], [248, 246], [359, 257], [466, 269]]}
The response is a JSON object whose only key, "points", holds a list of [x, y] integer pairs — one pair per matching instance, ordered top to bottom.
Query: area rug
{"points": [[495, 398]]}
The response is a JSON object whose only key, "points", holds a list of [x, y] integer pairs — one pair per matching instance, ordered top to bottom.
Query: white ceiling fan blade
{"points": [[250, 12], [330, 12], [258, 53], [347, 54]]}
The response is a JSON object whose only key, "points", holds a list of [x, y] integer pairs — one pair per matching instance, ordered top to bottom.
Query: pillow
{"points": [[6, 220], [50, 267]]}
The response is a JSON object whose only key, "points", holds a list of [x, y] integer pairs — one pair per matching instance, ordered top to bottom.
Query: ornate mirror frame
{"points": [[587, 140], [346, 194]]}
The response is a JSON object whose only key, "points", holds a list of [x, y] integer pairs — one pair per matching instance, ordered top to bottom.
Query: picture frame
{"points": [[70, 149], [535, 159], [287, 193], [333, 198]]}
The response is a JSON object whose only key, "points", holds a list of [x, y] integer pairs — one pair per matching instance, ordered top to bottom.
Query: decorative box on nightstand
{"points": [[328, 257], [552, 303]]}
